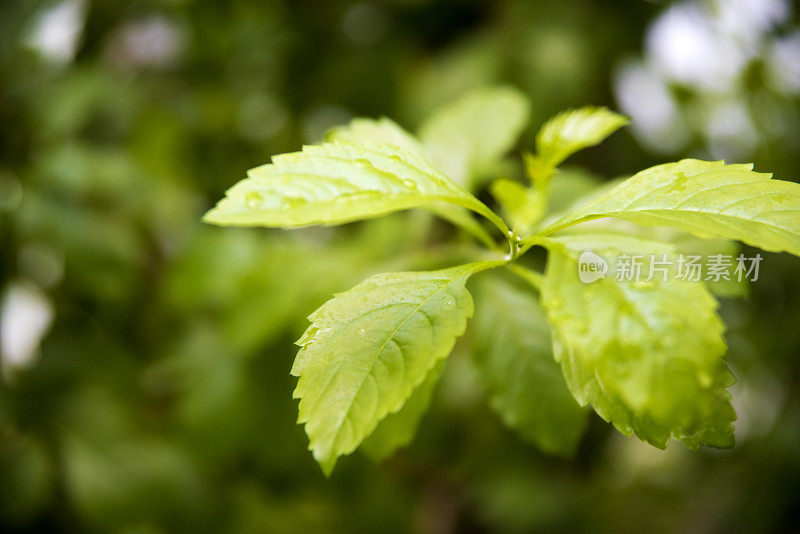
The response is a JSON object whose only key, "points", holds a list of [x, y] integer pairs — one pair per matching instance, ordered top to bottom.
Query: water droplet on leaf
{"points": [[680, 183], [253, 200], [293, 202]]}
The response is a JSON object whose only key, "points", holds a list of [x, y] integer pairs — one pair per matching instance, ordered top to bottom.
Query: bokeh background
{"points": [[145, 356]]}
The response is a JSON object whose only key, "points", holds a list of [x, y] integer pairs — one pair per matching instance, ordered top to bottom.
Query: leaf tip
{"points": [[210, 217], [326, 462]]}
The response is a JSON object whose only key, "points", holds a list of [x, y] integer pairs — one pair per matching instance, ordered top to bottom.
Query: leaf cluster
{"points": [[649, 357]]}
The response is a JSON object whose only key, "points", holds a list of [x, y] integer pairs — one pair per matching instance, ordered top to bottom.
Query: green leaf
{"points": [[573, 130], [382, 131], [388, 132], [468, 137], [337, 183], [570, 186], [707, 199], [522, 206], [685, 244], [690, 245], [369, 348], [648, 356], [515, 361], [398, 429]]}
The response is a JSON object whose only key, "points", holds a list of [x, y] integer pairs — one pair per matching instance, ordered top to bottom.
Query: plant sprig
{"points": [[649, 359]]}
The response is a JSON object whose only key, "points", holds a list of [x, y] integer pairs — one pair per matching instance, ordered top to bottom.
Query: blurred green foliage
{"points": [[160, 399]]}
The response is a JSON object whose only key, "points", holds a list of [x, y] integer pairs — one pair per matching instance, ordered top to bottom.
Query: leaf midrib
{"points": [[621, 212], [346, 413]]}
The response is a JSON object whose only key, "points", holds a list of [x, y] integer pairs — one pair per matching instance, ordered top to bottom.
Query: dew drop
{"points": [[396, 159], [363, 164], [680, 183], [411, 184], [253, 200], [292, 202], [643, 284], [448, 301], [362, 331]]}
